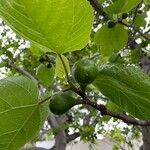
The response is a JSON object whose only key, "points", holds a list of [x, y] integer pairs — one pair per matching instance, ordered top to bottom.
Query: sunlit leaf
{"points": [[57, 25]]}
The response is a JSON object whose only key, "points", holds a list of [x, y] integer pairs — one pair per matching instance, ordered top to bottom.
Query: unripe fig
{"points": [[85, 71], [61, 103]]}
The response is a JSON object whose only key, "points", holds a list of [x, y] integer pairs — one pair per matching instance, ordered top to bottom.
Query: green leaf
{"points": [[147, 2], [122, 6], [116, 7], [140, 20], [58, 25], [111, 39], [36, 51], [9, 54], [135, 56], [115, 58], [3, 64], [60, 71], [45, 75], [128, 87], [112, 106], [21, 116], [115, 147]]}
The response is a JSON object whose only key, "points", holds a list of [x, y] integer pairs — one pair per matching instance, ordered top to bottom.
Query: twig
{"points": [[99, 9], [135, 29], [22, 71], [126, 118], [73, 136]]}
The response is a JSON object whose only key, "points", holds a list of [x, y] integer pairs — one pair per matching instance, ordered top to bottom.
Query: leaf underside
{"points": [[56, 25], [128, 87], [20, 115]]}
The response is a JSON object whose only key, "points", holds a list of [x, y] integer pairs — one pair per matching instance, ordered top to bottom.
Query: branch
{"points": [[99, 9], [135, 29], [22, 71], [27, 74], [104, 111], [126, 118], [52, 120], [73, 136], [53, 148]]}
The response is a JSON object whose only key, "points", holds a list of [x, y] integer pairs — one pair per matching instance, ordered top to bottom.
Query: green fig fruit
{"points": [[85, 71], [60, 103]]}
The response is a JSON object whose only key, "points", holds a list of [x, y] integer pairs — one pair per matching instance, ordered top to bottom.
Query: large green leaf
{"points": [[122, 6], [57, 25], [111, 39], [128, 87], [20, 114]]}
